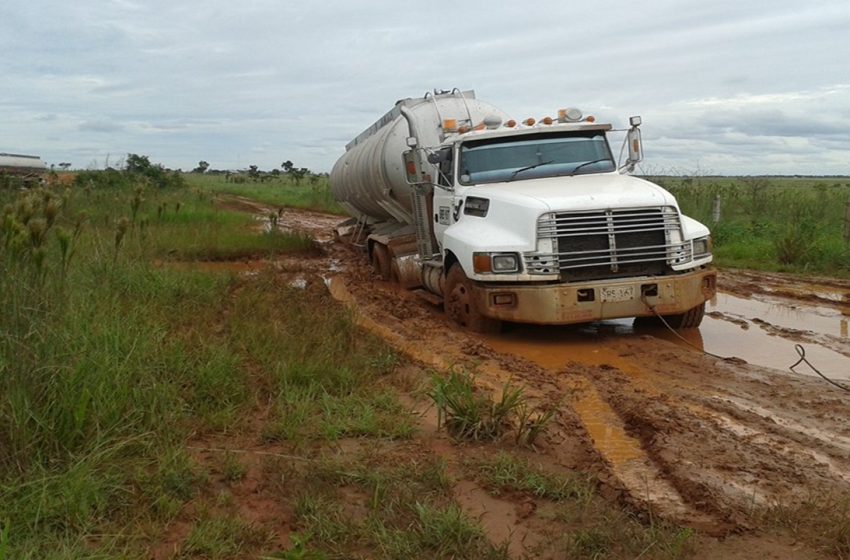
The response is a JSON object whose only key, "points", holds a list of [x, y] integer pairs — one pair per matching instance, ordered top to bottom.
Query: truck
{"points": [[21, 170], [529, 221]]}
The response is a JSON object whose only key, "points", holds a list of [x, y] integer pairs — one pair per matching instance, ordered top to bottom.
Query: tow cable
{"points": [[798, 347], [803, 360]]}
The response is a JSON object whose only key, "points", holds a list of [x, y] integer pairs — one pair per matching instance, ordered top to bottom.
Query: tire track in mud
{"points": [[695, 440]]}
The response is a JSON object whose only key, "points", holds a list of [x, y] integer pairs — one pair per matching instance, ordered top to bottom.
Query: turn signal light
{"points": [[449, 125], [481, 262]]}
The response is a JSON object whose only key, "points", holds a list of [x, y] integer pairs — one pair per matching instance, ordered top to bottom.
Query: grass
{"points": [[311, 194], [777, 224], [109, 362], [114, 362], [468, 414], [507, 473], [388, 511], [818, 519]]}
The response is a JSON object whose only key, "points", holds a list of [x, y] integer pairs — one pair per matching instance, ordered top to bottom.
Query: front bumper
{"points": [[582, 302]]}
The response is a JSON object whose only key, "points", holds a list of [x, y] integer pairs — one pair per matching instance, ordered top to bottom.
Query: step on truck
{"points": [[529, 222]]}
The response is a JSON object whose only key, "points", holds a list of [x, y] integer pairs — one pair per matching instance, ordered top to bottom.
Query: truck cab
{"points": [[536, 224]]}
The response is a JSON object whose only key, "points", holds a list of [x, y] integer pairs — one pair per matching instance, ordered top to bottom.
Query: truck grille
{"points": [[610, 243]]}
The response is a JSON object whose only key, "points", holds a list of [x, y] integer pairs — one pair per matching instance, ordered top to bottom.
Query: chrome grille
{"points": [[609, 243]]}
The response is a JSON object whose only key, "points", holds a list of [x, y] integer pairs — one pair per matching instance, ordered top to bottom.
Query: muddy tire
{"points": [[381, 261], [459, 303], [690, 319]]}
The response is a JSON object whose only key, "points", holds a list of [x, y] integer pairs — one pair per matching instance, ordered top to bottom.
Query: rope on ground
{"points": [[679, 336], [799, 348], [803, 360]]}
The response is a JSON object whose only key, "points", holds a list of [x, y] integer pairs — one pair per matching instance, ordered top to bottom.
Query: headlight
{"points": [[476, 206], [702, 247], [495, 263], [505, 263]]}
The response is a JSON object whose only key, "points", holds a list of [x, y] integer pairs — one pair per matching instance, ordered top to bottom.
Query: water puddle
{"points": [[798, 317], [761, 333]]}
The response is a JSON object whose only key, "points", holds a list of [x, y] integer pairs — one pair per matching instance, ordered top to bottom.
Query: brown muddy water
{"points": [[760, 332]]}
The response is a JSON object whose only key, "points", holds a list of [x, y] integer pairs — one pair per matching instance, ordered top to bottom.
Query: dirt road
{"points": [[700, 440]]}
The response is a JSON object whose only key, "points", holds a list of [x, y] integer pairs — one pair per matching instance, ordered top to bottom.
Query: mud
{"points": [[665, 427]]}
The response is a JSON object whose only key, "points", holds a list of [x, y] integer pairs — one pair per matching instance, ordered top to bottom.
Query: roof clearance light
{"points": [[573, 114], [562, 115], [591, 119], [546, 120], [492, 121], [529, 122], [511, 123], [449, 125], [463, 130]]}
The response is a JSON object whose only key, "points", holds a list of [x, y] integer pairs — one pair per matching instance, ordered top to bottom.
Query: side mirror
{"points": [[633, 139], [441, 155]]}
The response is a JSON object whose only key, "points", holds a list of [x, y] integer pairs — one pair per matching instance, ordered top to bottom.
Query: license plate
{"points": [[617, 293]]}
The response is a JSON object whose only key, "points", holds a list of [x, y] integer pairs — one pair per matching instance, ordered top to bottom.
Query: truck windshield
{"points": [[533, 156]]}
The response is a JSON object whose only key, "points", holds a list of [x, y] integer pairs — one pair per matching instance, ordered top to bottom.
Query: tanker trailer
{"points": [[22, 170], [531, 222]]}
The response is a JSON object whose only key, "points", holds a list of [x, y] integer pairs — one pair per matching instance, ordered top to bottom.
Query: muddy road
{"points": [[703, 440]]}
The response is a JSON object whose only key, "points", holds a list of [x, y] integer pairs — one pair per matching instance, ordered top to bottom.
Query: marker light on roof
{"points": [[569, 115], [591, 119], [546, 120], [529, 122], [511, 123], [449, 125]]}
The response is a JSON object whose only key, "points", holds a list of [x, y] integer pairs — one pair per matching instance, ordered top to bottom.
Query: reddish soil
{"points": [[666, 429]]}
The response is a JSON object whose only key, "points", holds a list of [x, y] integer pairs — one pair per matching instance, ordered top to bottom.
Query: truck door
{"points": [[445, 200]]}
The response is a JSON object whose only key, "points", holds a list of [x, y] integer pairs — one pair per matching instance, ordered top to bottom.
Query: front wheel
{"points": [[460, 304], [690, 319]]}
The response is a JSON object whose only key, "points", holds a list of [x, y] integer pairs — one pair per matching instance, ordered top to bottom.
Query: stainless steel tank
{"points": [[17, 163], [369, 179]]}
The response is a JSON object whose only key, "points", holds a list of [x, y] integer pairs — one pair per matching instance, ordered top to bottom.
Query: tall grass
{"points": [[282, 191], [783, 224], [109, 361]]}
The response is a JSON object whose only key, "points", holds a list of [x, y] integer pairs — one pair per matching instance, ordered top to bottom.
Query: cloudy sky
{"points": [[724, 87]]}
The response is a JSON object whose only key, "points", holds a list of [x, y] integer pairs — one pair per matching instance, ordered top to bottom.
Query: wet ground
{"points": [[701, 439]]}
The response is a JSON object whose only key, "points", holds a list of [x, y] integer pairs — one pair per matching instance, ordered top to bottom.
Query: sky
{"points": [[723, 87]]}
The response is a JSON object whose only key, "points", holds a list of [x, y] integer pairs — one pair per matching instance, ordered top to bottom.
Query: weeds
{"points": [[468, 414], [506, 473]]}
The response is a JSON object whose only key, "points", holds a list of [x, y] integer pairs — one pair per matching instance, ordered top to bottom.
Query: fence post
{"points": [[715, 210], [847, 221]]}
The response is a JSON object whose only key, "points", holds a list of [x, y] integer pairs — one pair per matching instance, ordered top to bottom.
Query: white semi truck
{"points": [[530, 222]]}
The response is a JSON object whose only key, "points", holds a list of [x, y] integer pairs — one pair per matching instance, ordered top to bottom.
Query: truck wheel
{"points": [[381, 261], [459, 303], [690, 319]]}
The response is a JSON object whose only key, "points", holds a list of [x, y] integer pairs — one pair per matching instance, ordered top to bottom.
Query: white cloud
{"points": [[728, 84]]}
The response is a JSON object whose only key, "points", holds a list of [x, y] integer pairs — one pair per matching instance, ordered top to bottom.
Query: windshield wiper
{"points": [[573, 172], [515, 173]]}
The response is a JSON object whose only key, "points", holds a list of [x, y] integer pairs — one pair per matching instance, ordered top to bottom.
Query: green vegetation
{"points": [[278, 190], [781, 224], [111, 359], [148, 399], [468, 414], [508, 473], [392, 511]]}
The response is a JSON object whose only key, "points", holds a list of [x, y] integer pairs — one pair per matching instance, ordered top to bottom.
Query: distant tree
{"points": [[137, 164], [65, 165], [287, 166], [202, 167], [253, 172], [275, 172], [298, 173]]}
